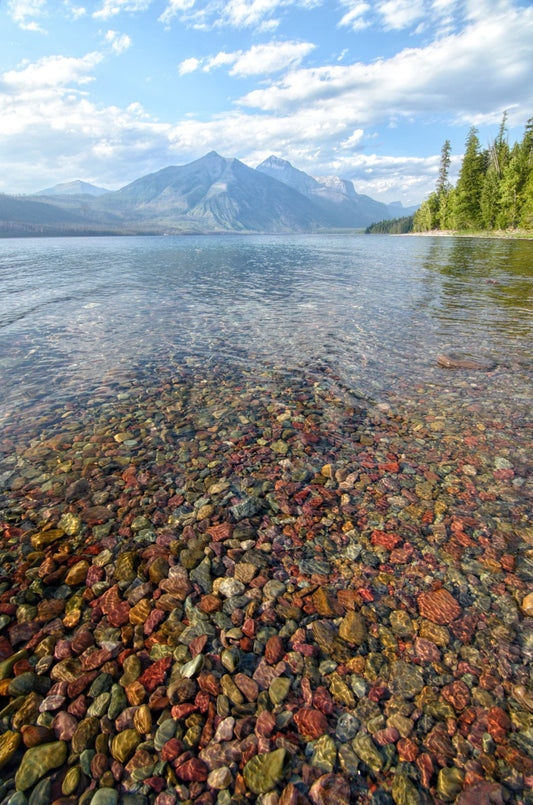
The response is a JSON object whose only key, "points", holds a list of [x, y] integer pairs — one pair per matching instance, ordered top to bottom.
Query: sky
{"points": [[110, 90]]}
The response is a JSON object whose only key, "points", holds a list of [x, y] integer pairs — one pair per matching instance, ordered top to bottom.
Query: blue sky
{"points": [[110, 90]]}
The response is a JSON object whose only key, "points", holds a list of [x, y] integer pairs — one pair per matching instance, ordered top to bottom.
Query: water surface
{"points": [[371, 310]]}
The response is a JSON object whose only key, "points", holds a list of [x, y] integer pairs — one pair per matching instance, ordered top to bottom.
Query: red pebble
{"points": [[220, 532], [438, 606], [274, 650], [155, 673], [456, 694], [322, 701], [182, 710], [311, 723], [265, 724], [499, 724], [172, 749], [407, 749], [425, 767], [193, 770], [330, 789]]}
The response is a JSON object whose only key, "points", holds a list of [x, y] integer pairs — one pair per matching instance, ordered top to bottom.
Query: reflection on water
{"points": [[481, 278], [370, 309]]}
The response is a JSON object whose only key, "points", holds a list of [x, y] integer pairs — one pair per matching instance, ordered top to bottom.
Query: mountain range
{"points": [[212, 194]]}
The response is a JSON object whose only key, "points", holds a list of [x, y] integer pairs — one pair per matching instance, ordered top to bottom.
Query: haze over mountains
{"points": [[209, 195]]}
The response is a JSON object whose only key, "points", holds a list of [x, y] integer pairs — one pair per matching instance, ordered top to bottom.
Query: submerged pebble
{"points": [[268, 594]]}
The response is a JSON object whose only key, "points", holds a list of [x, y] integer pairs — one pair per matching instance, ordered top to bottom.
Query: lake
{"points": [[290, 479]]}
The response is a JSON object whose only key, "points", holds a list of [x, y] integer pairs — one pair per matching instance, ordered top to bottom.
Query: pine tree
{"points": [[498, 158], [442, 182], [469, 185], [443, 186], [526, 190], [509, 206], [425, 218]]}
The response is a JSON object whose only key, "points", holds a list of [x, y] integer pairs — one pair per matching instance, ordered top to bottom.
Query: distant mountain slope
{"points": [[75, 188], [215, 194], [336, 197], [21, 217]]}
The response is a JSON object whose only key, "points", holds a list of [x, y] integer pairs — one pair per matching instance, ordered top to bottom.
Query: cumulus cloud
{"points": [[24, 12], [75, 12], [118, 42], [188, 66], [485, 67], [51, 72], [48, 121]]}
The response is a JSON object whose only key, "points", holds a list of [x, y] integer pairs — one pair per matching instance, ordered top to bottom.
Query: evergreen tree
{"points": [[498, 158], [442, 182], [469, 185], [443, 186], [494, 189], [526, 189], [509, 206], [425, 218]]}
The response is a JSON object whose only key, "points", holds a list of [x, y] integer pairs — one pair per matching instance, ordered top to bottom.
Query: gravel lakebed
{"points": [[219, 587]]}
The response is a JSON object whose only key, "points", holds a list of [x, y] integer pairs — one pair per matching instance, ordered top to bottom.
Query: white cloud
{"points": [[110, 8], [174, 8], [23, 12], [74, 12], [244, 13], [398, 14], [261, 15], [355, 17], [118, 42], [271, 58], [263, 59], [220, 60], [188, 66], [488, 66], [52, 72], [322, 118], [47, 121], [353, 140]]}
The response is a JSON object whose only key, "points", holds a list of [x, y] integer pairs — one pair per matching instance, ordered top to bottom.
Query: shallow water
{"points": [[372, 310], [217, 402]]}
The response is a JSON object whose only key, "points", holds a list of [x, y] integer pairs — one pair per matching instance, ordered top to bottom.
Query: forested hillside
{"points": [[494, 189], [396, 226]]}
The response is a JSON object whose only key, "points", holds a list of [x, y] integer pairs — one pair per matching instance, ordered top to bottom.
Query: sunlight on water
{"points": [[371, 309]]}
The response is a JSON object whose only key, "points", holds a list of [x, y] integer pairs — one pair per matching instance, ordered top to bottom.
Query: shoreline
{"points": [[498, 234]]}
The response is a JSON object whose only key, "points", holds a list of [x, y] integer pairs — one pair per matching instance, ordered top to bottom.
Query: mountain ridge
{"points": [[75, 188], [212, 194]]}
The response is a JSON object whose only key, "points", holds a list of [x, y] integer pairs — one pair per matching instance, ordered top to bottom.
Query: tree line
{"points": [[494, 189], [396, 226]]}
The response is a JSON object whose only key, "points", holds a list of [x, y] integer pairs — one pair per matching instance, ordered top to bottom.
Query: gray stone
{"points": [[406, 680], [347, 727], [164, 733], [105, 796]]}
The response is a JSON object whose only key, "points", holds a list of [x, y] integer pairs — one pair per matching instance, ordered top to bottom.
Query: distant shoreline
{"points": [[499, 234]]}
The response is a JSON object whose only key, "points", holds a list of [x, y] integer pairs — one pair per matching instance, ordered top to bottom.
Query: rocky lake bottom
{"points": [[265, 521], [222, 587]]}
